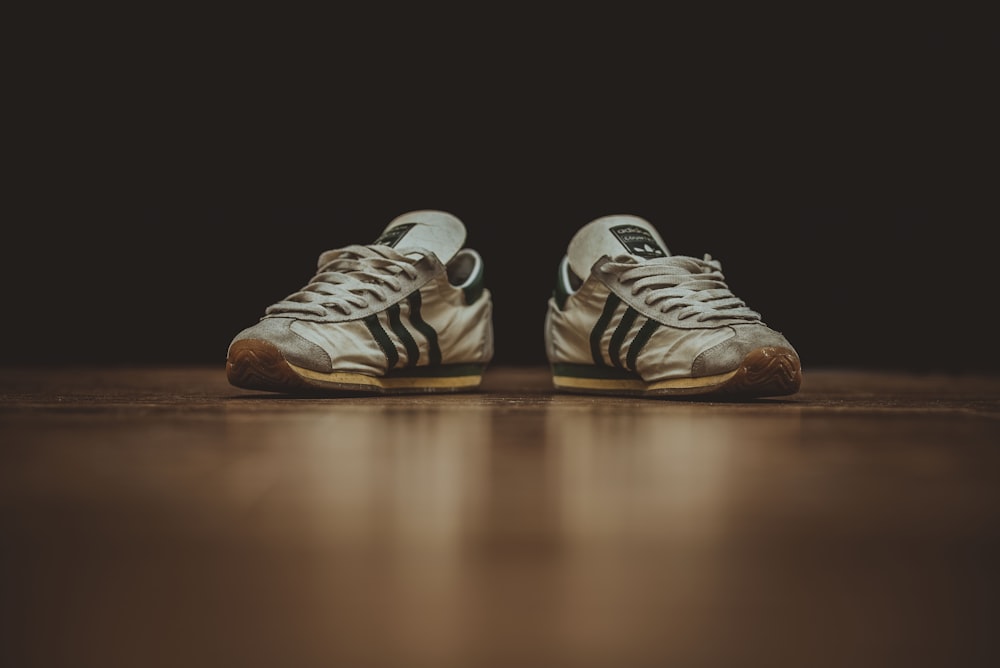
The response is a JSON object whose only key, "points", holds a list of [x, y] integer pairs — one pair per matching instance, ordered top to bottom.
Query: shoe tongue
{"points": [[436, 231], [614, 236]]}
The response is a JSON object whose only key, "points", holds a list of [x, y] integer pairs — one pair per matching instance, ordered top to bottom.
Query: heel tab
{"points": [[466, 271], [567, 283]]}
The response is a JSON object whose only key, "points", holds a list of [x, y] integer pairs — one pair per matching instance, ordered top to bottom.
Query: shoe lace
{"points": [[348, 278], [692, 287]]}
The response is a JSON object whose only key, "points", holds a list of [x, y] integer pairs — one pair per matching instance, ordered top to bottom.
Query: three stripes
{"points": [[399, 329], [618, 336], [434, 350]]}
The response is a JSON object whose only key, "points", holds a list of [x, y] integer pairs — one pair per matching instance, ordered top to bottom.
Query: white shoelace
{"points": [[347, 278], [696, 287]]}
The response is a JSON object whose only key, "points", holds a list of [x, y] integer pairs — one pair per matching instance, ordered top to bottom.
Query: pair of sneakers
{"points": [[410, 313]]}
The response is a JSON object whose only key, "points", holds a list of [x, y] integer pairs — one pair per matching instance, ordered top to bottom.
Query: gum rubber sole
{"points": [[254, 364], [765, 372]]}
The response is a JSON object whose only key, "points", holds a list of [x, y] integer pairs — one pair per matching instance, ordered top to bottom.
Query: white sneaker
{"points": [[407, 313], [627, 317]]}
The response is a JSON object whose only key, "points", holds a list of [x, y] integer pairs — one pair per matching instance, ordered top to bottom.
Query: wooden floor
{"points": [[159, 517]]}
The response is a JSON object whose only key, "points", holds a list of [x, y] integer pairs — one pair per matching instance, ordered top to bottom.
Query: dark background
{"points": [[171, 181]]}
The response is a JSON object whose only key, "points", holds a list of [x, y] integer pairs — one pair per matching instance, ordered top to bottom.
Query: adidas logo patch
{"points": [[638, 241]]}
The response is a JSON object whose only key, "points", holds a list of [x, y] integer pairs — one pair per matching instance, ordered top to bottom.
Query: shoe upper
{"points": [[414, 297], [622, 300]]}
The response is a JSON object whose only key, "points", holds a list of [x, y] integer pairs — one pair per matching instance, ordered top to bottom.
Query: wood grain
{"points": [[160, 517]]}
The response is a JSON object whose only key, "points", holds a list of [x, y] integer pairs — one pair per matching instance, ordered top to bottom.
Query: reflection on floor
{"points": [[160, 517]]}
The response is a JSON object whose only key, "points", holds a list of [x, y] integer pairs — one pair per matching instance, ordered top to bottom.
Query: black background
{"points": [[173, 179]]}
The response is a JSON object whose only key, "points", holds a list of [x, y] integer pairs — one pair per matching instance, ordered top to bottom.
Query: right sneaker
{"points": [[407, 313], [627, 317]]}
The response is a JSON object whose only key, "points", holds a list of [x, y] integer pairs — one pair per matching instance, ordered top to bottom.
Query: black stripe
{"points": [[602, 324], [382, 339], [639, 341], [615, 348], [434, 350], [412, 351]]}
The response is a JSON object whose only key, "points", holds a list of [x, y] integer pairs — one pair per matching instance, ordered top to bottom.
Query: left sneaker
{"points": [[407, 313]]}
